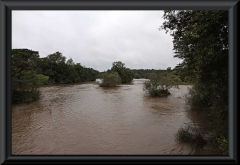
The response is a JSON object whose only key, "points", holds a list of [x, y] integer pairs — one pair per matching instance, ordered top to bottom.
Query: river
{"points": [[88, 119]]}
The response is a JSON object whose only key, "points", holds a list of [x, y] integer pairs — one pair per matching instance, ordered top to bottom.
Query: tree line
{"points": [[29, 72], [176, 74]]}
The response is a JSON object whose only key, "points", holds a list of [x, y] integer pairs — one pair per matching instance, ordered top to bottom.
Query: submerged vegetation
{"points": [[200, 38], [116, 75], [111, 80], [161, 81], [157, 86], [155, 89], [191, 135]]}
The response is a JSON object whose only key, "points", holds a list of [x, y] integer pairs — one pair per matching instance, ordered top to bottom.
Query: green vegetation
{"points": [[200, 38], [61, 71], [29, 72], [125, 73], [143, 73], [177, 73], [116, 75], [25, 78], [111, 80], [161, 81], [158, 85], [155, 89], [191, 135]]}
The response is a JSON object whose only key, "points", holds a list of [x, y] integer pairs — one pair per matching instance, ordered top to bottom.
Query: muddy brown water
{"points": [[88, 119]]}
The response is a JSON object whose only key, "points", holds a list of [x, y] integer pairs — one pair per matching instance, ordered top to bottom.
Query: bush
{"points": [[111, 80], [160, 83], [155, 90], [25, 96], [194, 99], [191, 135]]}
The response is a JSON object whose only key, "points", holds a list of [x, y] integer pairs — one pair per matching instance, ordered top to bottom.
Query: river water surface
{"points": [[88, 119]]}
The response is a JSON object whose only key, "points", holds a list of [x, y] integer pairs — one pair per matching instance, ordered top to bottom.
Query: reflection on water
{"points": [[88, 119]]}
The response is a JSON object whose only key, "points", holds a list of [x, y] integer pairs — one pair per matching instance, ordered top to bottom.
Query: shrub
{"points": [[111, 80], [156, 90], [25, 96], [194, 99], [191, 135]]}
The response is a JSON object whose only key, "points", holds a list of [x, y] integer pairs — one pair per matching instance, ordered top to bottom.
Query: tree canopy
{"points": [[125, 73], [116, 75], [111, 80]]}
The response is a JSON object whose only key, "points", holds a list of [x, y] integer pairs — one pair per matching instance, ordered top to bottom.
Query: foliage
{"points": [[200, 38], [61, 71], [29, 72], [125, 73], [142, 73], [177, 74], [116, 75], [41, 79], [25, 80], [111, 80], [160, 83], [154, 90], [20, 96], [194, 99], [190, 134]]}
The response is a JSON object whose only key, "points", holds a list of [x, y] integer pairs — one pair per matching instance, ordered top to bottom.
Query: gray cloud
{"points": [[96, 38]]}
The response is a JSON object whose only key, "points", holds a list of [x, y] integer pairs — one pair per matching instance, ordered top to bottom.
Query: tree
{"points": [[200, 38], [57, 58], [70, 61], [61, 71], [125, 73], [112, 79], [25, 80], [160, 83]]}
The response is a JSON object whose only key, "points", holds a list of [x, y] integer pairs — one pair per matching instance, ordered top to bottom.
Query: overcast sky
{"points": [[96, 39]]}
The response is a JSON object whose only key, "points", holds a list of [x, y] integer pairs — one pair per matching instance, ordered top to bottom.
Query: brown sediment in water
{"points": [[87, 119]]}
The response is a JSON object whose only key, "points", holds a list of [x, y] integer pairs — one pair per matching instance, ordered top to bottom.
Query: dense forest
{"points": [[200, 38]]}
